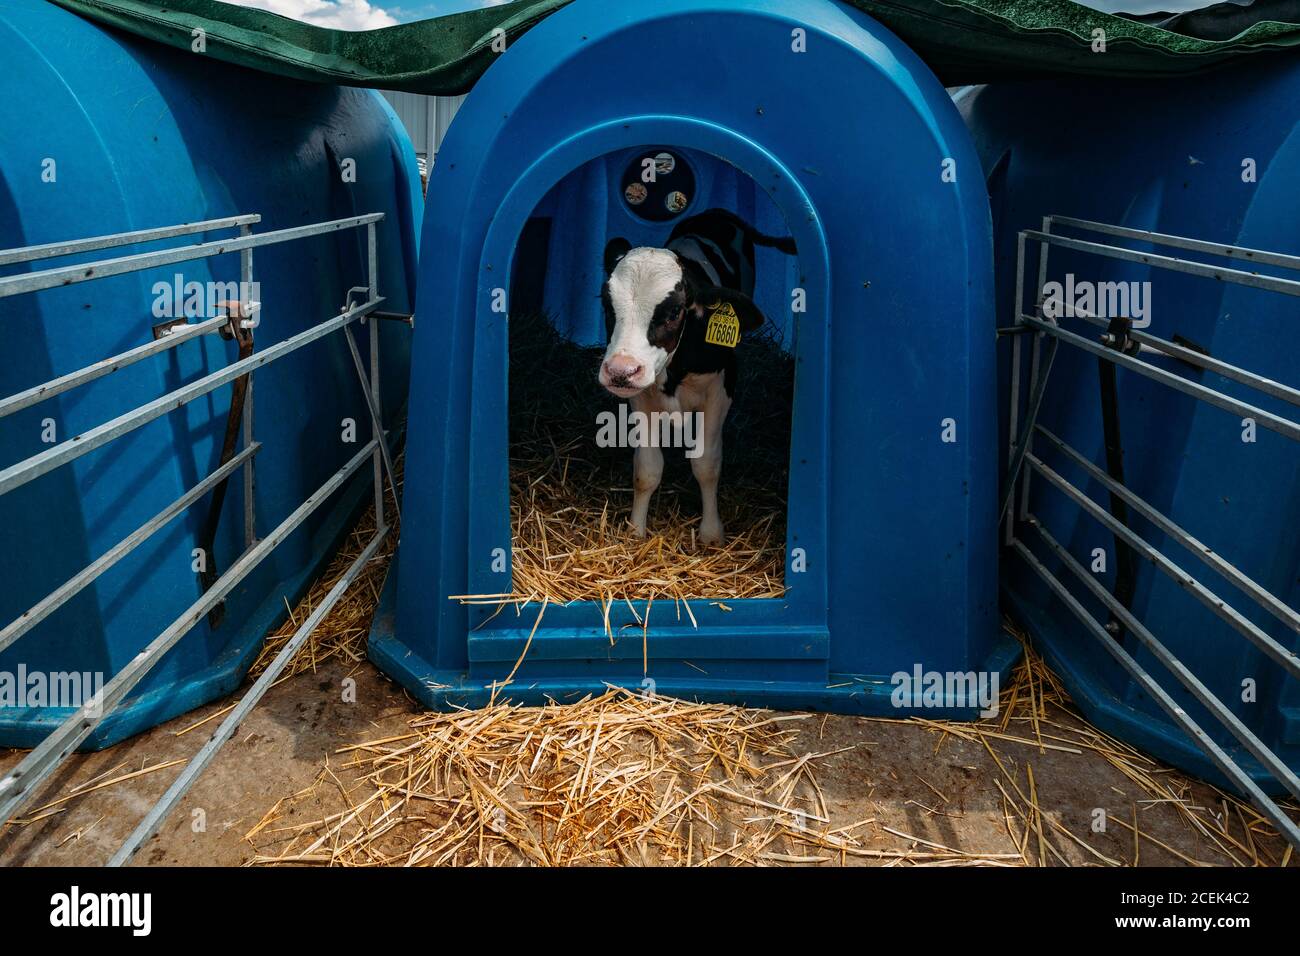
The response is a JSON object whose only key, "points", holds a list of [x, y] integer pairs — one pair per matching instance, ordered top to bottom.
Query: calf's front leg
{"points": [[708, 466], [647, 469]]}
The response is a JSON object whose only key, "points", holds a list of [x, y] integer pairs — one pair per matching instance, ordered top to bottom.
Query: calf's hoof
{"points": [[711, 534]]}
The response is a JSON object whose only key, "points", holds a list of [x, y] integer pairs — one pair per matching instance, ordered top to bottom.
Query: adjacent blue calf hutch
{"points": [[816, 122], [101, 133], [1215, 158]]}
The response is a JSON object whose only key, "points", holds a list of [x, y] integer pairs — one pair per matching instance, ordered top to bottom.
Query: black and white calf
{"points": [[674, 316]]}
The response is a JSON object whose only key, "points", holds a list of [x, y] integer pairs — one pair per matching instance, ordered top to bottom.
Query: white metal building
{"points": [[426, 119]]}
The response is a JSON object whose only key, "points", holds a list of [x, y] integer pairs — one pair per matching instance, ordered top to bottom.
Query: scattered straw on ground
{"points": [[570, 499], [344, 630], [342, 633], [1036, 715], [615, 779], [624, 779], [100, 782]]}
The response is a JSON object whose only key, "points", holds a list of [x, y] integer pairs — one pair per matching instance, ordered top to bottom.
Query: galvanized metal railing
{"points": [[1024, 462], [20, 783]]}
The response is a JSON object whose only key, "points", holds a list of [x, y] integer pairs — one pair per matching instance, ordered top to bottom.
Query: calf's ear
{"points": [[615, 250], [750, 315]]}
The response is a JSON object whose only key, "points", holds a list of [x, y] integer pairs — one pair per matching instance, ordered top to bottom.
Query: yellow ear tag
{"points": [[724, 326]]}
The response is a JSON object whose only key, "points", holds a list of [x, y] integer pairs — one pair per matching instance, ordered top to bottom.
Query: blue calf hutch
{"points": [[104, 133], [1215, 158], [891, 552]]}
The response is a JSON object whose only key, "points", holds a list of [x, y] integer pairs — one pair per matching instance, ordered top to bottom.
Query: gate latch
{"points": [[1117, 336]]}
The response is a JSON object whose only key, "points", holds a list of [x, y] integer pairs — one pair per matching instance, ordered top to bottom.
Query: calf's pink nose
{"points": [[621, 369]]}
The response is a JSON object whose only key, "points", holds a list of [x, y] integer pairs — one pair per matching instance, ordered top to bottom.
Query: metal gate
{"points": [[362, 304], [1121, 347]]}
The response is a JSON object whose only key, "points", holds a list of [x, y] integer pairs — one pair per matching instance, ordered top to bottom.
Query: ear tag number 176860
{"points": [[724, 326]]}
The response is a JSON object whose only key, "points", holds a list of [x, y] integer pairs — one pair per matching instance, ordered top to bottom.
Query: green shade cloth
{"points": [[963, 41]]}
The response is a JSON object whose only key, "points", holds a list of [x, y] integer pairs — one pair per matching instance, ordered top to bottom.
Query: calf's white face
{"points": [[645, 303]]}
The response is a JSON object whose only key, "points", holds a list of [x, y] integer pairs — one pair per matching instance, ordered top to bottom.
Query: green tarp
{"points": [[963, 41]]}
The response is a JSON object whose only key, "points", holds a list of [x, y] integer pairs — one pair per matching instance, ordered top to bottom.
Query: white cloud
{"points": [[338, 14]]}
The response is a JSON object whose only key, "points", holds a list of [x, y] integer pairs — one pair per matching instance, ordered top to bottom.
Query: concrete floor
{"points": [[911, 778]]}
